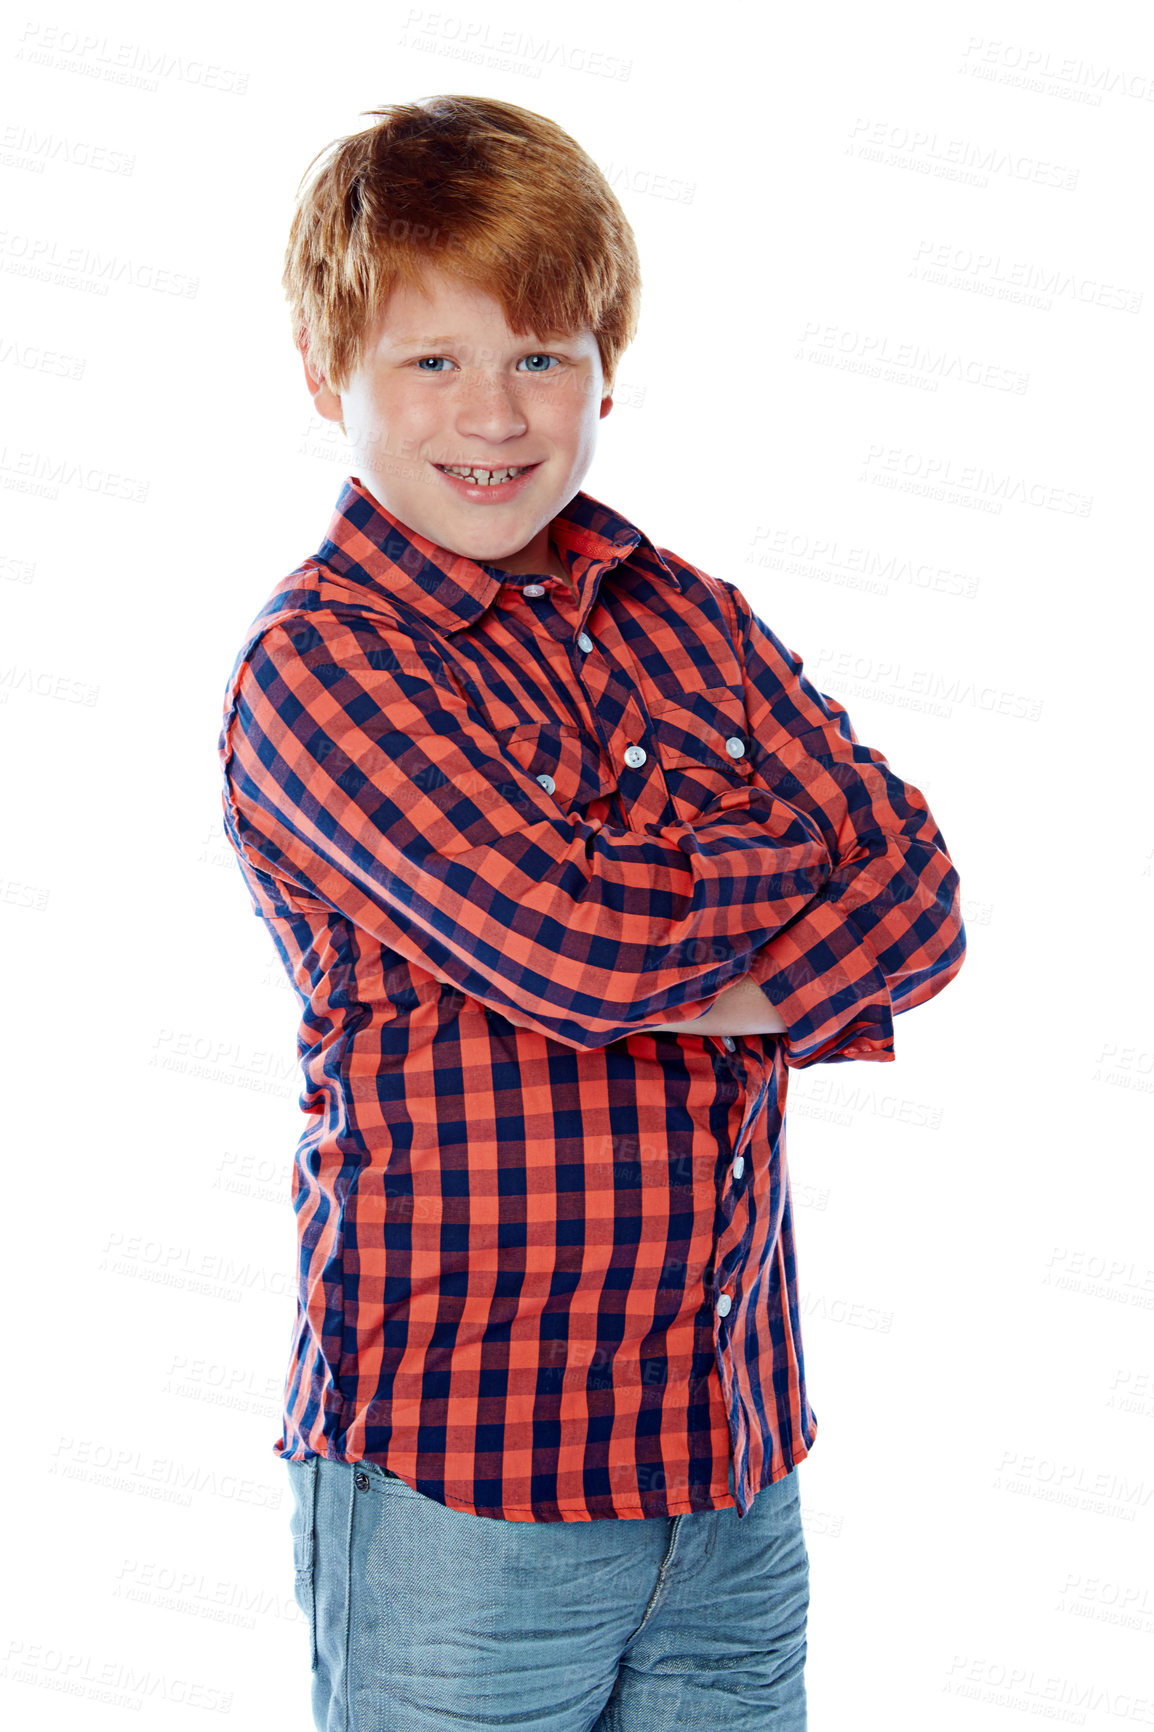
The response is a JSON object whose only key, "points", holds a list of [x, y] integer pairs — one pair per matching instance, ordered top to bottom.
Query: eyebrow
{"points": [[450, 341]]}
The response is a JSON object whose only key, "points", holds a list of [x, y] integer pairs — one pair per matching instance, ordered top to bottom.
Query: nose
{"points": [[491, 409]]}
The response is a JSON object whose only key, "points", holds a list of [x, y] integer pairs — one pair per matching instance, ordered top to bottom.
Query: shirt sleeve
{"points": [[358, 777], [885, 932]]}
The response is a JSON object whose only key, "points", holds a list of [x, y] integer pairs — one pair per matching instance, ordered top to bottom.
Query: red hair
{"points": [[494, 195]]}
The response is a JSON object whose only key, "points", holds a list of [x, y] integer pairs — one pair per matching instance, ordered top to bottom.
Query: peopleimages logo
{"points": [[477, 40], [132, 64], [1069, 77], [27, 148], [966, 160], [48, 259], [1024, 281], [42, 474], [937, 476], [854, 565], [925, 689]]}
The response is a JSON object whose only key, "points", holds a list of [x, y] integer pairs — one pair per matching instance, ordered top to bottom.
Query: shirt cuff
{"points": [[825, 982]]}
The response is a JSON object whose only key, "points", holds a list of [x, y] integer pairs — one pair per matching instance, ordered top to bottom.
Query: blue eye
{"points": [[421, 367]]}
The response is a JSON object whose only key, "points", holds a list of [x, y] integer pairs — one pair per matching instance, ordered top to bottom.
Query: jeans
{"points": [[423, 1618]]}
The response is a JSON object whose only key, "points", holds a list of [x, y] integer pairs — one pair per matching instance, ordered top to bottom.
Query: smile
{"points": [[479, 473], [475, 481]]}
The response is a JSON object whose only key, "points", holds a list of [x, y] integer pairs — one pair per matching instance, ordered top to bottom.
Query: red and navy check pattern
{"points": [[494, 826]]}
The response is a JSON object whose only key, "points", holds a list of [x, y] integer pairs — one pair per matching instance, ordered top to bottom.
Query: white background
{"points": [[893, 379]]}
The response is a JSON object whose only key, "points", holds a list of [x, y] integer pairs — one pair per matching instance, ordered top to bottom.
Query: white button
{"points": [[533, 589], [585, 642], [735, 747], [635, 756], [547, 783], [728, 1042], [738, 1166], [724, 1305]]}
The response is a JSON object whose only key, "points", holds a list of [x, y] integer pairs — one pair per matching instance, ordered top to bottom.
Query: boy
{"points": [[569, 864]]}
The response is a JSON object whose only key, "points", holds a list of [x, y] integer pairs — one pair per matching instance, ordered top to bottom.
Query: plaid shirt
{"points": [[546, 1264]]}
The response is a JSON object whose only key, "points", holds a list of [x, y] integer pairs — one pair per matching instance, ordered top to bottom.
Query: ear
{"points": [[326, 401], [606, 405]]}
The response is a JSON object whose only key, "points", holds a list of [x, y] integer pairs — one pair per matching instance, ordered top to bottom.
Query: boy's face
{"points": [[445, 381]]}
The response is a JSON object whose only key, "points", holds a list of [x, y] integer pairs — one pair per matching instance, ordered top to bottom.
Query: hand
{"points": [[740, 1008]]}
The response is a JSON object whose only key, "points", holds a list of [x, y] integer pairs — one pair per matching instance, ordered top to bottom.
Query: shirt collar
{"points": [[368, 546]]}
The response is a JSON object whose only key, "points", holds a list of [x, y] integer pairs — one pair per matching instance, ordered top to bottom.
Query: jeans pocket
{"points": [[302, 1523]]}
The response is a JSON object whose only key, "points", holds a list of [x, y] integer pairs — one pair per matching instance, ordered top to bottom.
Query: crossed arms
{"points": [[816, 903]]}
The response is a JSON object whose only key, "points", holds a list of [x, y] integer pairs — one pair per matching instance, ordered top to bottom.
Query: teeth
{"points": [[483, 477]]}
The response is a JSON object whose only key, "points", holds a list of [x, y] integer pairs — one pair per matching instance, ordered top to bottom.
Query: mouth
{"points": [[481, 481]]}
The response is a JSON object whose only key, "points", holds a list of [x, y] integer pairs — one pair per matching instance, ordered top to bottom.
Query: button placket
{"points": [[644, 797], [754, 1110]]}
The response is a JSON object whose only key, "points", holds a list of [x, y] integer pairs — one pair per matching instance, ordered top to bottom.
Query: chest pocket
{"points": [[703, 743], [567, 762]]}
